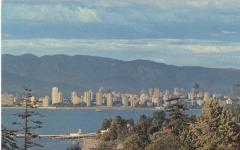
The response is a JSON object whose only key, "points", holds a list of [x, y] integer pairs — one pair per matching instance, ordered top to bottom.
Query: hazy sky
{"points": [[178, 32]]}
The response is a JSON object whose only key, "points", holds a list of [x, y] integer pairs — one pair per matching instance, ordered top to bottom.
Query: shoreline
{"points": [[84, 108]]}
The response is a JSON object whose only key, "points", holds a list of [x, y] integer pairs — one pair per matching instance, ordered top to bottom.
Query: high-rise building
{"points": [[195, 90], [236, 90], [150, 92], [177, 92], [156, 93], [57, 96], [60, 97], [87, 97], [74, 98], [99, 98], [143, 98], [7, 99], [33, 100], [109, 100], [125, 100], [155, 100], [46, 101], [133, 101]]}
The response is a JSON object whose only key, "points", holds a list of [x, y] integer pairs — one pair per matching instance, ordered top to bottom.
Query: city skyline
{"points": [[180, 33], [130, 74], [150, 97]]}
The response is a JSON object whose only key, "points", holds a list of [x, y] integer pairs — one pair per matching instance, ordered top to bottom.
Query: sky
{"points": [[176, 32]]}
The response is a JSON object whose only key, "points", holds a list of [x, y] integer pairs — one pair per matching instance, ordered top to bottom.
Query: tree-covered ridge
{"points": [[89, 72], [216, 129]]}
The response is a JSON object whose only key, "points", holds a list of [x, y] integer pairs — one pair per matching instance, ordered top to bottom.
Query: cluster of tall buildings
{"points": [[152, 97]]}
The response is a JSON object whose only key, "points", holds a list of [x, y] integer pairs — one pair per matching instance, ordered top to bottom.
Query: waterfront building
{"points": [[142, 92], [150, 92], [178, 92], [156, 93], [57, 96], [60, 97], [74, 98], [87, 98], [99, 98], [143, 98], [7, 99], [15, 99], [109, 99], [33, 100], [124, 100], [156, 100], [46, 101], [133, 101]]}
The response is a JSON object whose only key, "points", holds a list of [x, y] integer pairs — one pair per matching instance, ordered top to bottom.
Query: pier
{"points": [[64, 136]]}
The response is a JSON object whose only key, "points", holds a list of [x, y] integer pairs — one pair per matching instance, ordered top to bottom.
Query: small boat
{"points": [[98, 110]]}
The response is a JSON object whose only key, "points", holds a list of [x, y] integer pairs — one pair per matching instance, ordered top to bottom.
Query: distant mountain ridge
{"points": [[82, 72]]}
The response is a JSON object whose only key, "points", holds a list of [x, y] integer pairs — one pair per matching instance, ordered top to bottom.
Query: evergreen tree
{"points": [[177, 117], [157, 121], [28, 122], [215, 129], [8, 139], [163, 141], [134, 142], [107, 145]]}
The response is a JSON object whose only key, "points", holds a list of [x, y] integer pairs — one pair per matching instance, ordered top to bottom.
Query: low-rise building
{"points": [[7, 99]]}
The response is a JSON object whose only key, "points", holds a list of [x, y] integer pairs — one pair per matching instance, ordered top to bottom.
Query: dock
{"points": [[64, 136]]}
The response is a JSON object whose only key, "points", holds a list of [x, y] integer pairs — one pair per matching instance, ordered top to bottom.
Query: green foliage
{"points": [[235, 110], [178, 120], [157, 121], [106, 124], [118, 128], [215, 129], [142, 130], [123, 131], [8, 139], [185, 140], [163, 141], [134, 142], [107, 145]]}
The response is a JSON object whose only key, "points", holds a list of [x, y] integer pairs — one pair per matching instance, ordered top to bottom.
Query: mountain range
{"points": [[81, 72]]}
